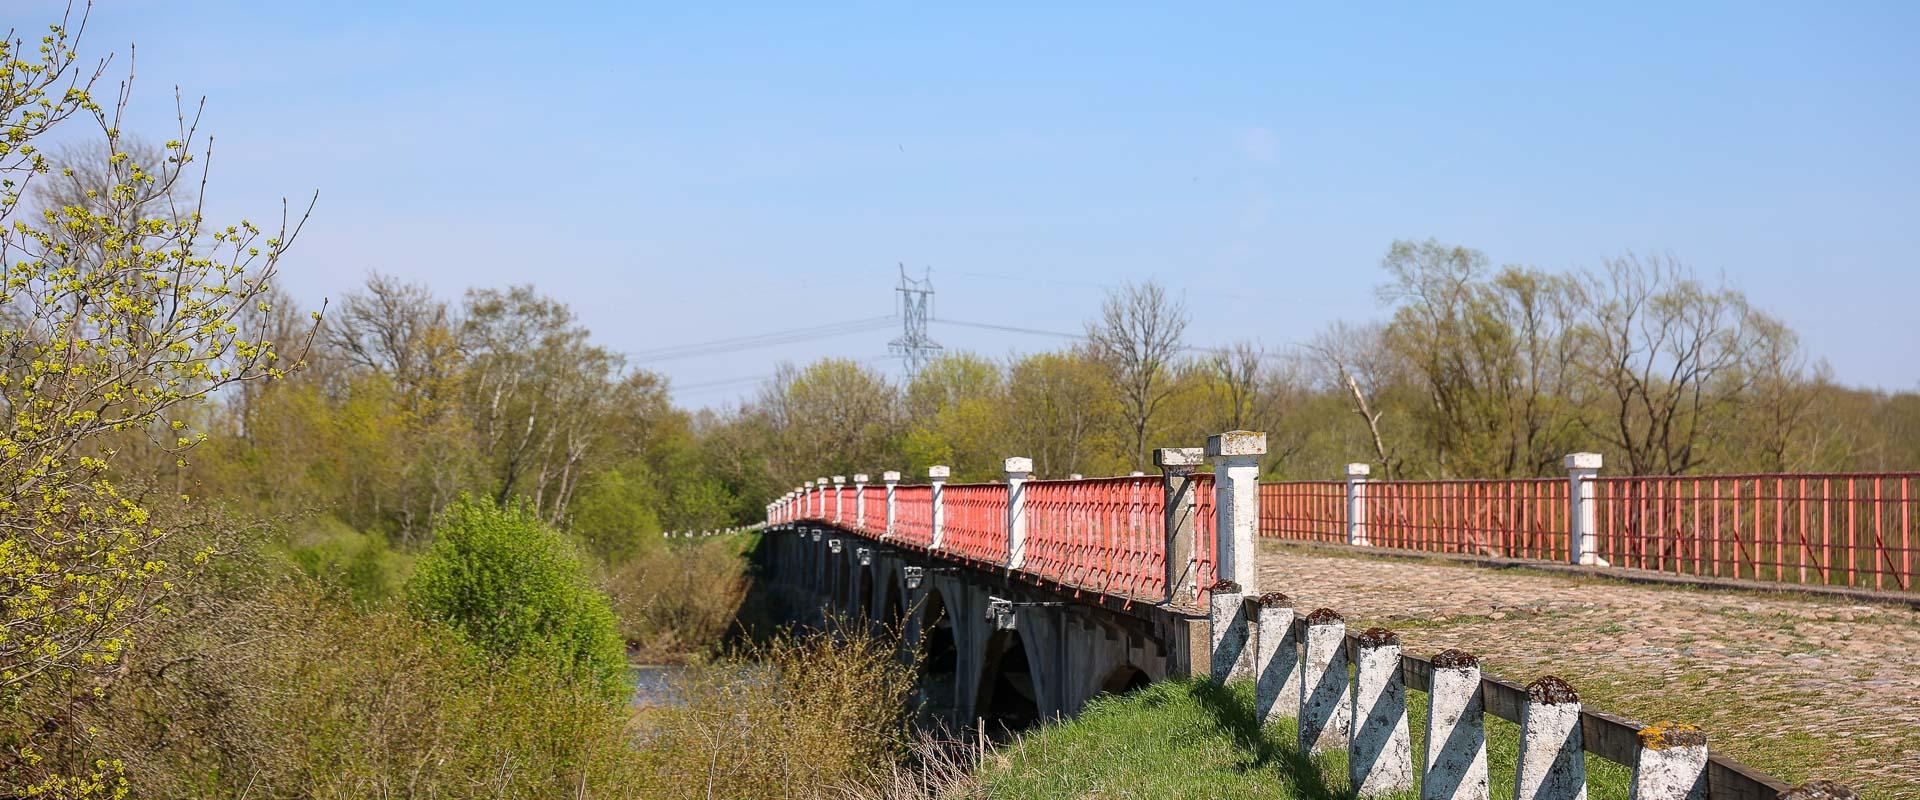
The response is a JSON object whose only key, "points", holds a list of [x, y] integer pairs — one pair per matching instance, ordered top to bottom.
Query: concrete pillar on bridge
{"points": [[1019, 469], [937, 476], [892, 479], [1176, 485], [820, 491], [859, 498], [839, 499], [806, 500], [1236, 504], [1357, 504], [1583, 540]]}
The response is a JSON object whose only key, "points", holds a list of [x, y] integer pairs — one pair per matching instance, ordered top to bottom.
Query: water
{"points": [[655, 684]]}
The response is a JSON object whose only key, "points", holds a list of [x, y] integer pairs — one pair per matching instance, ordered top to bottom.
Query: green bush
{"points": [[614, 513], [517, 589]]}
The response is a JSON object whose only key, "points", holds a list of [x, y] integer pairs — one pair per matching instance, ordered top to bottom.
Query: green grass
{"points": [[1195, 739]]}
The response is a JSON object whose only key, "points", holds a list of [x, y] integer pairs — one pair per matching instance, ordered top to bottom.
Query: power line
{"points": [[738, 343]]}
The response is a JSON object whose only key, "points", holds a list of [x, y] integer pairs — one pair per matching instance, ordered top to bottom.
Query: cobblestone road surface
{"points": [[1801, 687]]}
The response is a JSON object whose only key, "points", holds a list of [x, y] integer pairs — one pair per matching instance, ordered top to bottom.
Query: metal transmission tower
{"points": [[913, 346]]}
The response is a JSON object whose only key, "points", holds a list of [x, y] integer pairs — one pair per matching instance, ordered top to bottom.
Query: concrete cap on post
{"points": [[1237, 443], [1179, 457], [1582, 461], [1020, 465], [1358, 470], [939, 472], [890, 476], [1075, 476], [860, 477], [839, 479], [820, 481]]}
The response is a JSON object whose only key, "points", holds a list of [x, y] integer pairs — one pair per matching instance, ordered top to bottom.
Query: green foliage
{"points": [[616, 512], [362, 563], [516, 588], [678, 601]]}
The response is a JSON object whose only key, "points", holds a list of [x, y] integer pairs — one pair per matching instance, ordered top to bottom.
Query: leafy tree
{"points": [[123, 310], [617, 512], [516, 588]]}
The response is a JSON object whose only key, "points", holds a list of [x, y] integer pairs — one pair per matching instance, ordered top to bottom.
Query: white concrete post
{"points": [[1019, 469], [937, 475], [1076, 477], [892, 479], [820, 488], [806, 495], [839, 497], [859, 498], [1236, 503], [1357, 503], [1178, 510], [1583, 529], [1227, 632], [1276, 667], [1326, 711], [1456, 731], [1380, 748], [1553, 756], [1672, 763]]}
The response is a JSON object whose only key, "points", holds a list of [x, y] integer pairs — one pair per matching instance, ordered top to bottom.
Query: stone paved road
{"points": [[1801, 687]]}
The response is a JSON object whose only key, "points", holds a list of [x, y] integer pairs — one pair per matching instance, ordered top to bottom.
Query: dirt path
{"points": [[1798, 686]]}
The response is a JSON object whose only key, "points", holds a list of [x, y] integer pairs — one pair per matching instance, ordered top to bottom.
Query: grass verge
{"points": [[1195, 739]]}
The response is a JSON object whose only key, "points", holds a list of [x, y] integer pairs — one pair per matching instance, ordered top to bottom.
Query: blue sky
{"points": [[685, 173]]}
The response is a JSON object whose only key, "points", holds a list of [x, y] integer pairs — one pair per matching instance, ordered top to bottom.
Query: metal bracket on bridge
{"points": [[816, 534], [834, 545], [865, 555], [914, 576], [1000, 610]]}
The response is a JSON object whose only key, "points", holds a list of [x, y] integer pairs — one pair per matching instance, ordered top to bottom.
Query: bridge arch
{"points": [[837, 598], [860, 607], [939, 659], [1123, 679], [1008, 695]]}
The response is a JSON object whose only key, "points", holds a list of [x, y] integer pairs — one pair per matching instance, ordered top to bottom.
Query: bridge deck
{"points": [[1798, 686]]}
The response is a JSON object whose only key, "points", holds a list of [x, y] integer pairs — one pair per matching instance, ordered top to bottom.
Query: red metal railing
{"points": [[870, 508], [1314, 511], [913, 515], [1523, 518], [974, 521], [1845, 529], [1104, 535], [1204, 537]]}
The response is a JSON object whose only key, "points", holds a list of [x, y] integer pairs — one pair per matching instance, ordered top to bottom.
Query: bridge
{"points": [[1026, 598]]}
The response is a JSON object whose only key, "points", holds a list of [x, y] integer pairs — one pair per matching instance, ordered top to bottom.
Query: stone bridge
{"points": [[1026, 598]]}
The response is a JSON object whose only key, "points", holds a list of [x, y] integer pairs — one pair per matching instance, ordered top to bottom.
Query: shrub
{"points": [[614, 513], [517, 589], [673, 601]]}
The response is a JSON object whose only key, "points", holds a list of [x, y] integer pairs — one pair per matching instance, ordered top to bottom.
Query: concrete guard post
{"points": [[1019, 469], [937, 477], [892, 479], [1176, 486], [820, 489], [839, 497], [859, 498], [806, 500], [1236, 504], [1357, 504], [1583, 534], [1228, 633], [1276, 669], [1326, 711], [1380, 748], [1553, 756], [1672, 763], [1456, 766]]}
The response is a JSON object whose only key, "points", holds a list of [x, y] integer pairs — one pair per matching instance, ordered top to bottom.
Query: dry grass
{"points": [[677, 601]]}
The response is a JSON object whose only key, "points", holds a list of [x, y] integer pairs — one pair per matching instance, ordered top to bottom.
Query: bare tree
{"points": [[1137, 337], [1671, 360], [1355, 362], [1236, 381]]}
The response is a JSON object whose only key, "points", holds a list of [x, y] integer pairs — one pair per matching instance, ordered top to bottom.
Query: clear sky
{"points": [[690, 172]]}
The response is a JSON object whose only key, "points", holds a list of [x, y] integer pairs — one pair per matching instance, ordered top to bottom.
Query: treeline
{"points": [[1474, 372]]}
